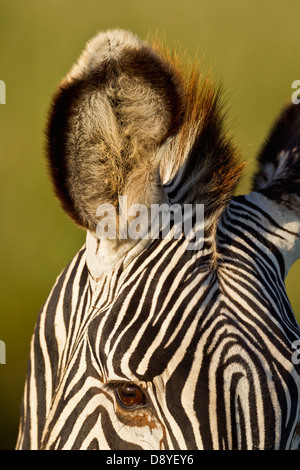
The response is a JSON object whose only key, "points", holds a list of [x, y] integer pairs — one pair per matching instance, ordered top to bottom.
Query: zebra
{"points": [[144, 343]]}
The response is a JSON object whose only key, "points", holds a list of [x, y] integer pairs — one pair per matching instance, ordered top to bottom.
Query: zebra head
{"points": [[165, 338]]}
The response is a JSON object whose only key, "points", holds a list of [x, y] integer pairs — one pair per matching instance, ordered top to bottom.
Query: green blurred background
{"points": [[253, 48]]}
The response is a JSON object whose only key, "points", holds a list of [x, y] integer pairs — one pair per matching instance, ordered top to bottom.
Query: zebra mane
{"points": [[133, 120]]}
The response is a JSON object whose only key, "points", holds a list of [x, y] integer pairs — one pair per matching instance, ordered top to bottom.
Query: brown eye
{"points": [[130, 396]]}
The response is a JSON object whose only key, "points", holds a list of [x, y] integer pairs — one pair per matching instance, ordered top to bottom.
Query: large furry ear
{"points": [[109, 119], [278, 174]]}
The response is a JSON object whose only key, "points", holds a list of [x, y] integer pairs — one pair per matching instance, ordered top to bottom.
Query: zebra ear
{"points": [[110, 118], [278, 175], [276, 185]]}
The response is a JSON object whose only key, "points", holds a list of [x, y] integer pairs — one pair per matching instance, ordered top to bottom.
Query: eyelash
{"points": [[113, 386]]}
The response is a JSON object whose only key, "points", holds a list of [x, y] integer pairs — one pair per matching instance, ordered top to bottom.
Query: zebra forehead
{"points": [[140, 336], [136, 341]]}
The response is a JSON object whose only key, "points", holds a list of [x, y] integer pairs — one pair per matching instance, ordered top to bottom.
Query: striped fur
{"points": [[207, 335]]}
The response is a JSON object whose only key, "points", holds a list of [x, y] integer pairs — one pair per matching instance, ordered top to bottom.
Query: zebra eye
{"points": [[130, 396]]}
